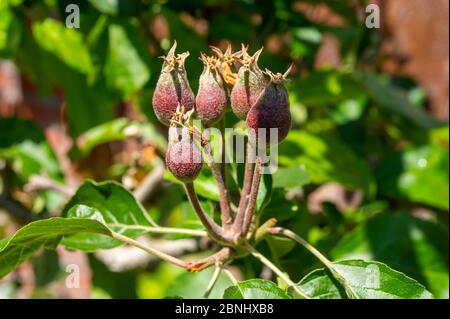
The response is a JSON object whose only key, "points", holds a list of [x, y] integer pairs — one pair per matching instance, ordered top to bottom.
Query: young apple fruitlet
{"points": [[249, 84], [172, 88], [211, 98], [271, 110], [183, 158]]}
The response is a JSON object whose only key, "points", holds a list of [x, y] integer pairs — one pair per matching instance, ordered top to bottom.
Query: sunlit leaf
{"points": [[65, 43], [126, 69], [419, 174], [109, 203], [43, 233], [416, 247], [366, 280], [255, 289]]}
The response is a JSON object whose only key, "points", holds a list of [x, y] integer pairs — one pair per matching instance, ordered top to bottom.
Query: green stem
{"points": [[223, 166], [246, 186], [253, 197], [225, 211], [163, 230], [215, 231], [290, 234], [150, 250], [276, 270], [231, 276], [212, 282]]}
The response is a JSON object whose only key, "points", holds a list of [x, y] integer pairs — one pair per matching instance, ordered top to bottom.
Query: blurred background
{"points": [[368, 149]]}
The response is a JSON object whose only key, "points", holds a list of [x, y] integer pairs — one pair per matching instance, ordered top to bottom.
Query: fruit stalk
{"points": [[253, 196], [225, 210], [239, 220], [214, 230]]}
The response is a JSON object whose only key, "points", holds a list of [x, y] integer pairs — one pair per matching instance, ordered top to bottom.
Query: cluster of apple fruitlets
{"points": [[258, 97]]}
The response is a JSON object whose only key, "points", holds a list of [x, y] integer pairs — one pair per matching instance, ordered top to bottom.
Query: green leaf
{"points": [[10, 31], [66, 44], [126, 69], [324, 87], [393, 100], [349, 110], [83, 111], [119, 129], [110, 131], [25, 147], [326, 158], [419, 174], [291, 177], [264, 192], [109, 203], [43, 233], [416, 247], [46, 267], [367, 280], [320, 284], [255, 289]]}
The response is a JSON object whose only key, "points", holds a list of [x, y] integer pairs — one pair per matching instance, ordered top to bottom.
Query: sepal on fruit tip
{"points": [[279, 78]]}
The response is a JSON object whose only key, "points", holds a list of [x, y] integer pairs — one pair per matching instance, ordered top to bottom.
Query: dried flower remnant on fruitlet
{"points": [[227, 61], [249, 84], [172, 88], [211, 98], [271, 110]]}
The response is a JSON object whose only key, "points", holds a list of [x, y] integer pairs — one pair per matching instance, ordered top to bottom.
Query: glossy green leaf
{"points": [[126, 69], [326, 158], [419, 174], [109, 203], [43, 233], [416, 247], [366, 280], [320, 284], [255, 289]]}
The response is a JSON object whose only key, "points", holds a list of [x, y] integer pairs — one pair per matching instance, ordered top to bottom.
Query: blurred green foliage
{"points": [[353, 126]]}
